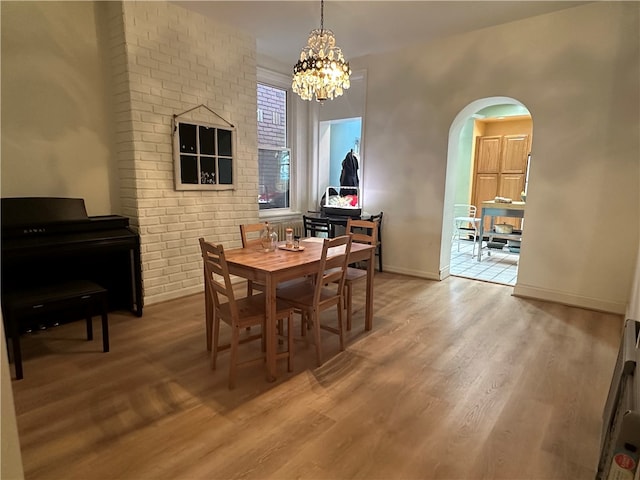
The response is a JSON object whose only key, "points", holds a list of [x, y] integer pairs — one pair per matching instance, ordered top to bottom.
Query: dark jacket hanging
{"points": [[349, 175]]}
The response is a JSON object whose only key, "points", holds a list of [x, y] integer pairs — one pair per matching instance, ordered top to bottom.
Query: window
{"points": [[274, 154], [203, 156]]}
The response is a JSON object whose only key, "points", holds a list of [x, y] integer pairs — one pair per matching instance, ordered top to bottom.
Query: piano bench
{"points": [[75, 295]]}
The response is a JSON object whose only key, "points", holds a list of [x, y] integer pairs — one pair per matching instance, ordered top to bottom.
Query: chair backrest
{"points": [[464, 210], [378, 218], [315, 225], [363, 231], [250, 234], [333, 265], [217, 278]]}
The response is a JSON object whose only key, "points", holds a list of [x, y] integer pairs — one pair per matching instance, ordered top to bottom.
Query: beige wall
{"points": [[577, 72], [55, 117], [633, 311]]}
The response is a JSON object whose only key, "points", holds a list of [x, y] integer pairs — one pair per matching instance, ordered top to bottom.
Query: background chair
{"points": [[378, 218], [465, 223], [316, 227], [362, 231], [250, 235], [311, 296], [238, 313]]}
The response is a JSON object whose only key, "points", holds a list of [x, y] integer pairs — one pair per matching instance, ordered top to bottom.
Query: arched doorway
{"points": [[487, 127]]}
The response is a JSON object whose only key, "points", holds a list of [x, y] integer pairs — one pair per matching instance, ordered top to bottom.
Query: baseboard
{"points": [[444, 272], [412, 273], [564, 298]]}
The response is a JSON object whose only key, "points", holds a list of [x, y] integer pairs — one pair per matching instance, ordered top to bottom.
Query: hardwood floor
{"points": [[457, 380]]}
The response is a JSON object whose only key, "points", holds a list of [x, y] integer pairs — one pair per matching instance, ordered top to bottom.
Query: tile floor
{"points": [[499, 267]]}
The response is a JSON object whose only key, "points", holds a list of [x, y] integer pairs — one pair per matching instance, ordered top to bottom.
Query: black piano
{"points": [[47, 240]]}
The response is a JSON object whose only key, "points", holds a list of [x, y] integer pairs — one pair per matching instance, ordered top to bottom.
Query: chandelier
{"points": [[322, 70]]}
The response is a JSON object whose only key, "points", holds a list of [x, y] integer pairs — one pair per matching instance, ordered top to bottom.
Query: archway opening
{"points": [[488, 157]]}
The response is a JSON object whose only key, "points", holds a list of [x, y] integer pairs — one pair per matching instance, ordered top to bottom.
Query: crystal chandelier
{"points": [[322, 70]]}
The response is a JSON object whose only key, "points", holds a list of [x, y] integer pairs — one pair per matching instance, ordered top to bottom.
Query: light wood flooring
{"points": [[457, 380]]}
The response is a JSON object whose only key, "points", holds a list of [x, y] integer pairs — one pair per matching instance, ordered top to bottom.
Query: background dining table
{"points": [[280, 265]]}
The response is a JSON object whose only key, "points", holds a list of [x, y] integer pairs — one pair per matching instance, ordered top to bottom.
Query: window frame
{"points": [[283, 82], [177, 154]]}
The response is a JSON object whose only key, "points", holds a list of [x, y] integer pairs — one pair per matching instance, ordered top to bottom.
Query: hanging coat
{"points": [[349, 175]]}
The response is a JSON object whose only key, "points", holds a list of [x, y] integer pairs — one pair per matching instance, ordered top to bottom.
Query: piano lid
{"points": [[28, 211], [37, 216]]}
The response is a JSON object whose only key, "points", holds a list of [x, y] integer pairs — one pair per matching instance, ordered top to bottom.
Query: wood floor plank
{"points": [[457, 380]]}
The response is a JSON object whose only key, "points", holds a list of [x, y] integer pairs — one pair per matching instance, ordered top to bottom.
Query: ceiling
{"points": [[363, 27]]}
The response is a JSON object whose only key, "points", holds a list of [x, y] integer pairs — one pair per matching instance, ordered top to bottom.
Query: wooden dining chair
{"points": [[466, 222], [316, 226], [362, 231], [250, 235], [378, 253], [311, 296], [239, 314]]}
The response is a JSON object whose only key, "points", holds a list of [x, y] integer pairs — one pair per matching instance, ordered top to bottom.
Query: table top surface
{"points": [[505, 206], [280, 259]]}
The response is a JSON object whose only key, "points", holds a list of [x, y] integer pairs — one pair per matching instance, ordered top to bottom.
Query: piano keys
{"points": [[49, 240]]}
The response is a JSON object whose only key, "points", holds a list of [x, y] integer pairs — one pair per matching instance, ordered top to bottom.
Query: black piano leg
{"points": [[105, 325], [89, 326], [17, 351]]}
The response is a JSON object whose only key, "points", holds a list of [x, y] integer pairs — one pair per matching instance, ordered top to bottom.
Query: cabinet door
{"points": [[488, 154], [514, 155], [511, 184], [485, 188]]}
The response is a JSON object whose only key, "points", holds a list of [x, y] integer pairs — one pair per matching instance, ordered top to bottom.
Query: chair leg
{"points": [[473, 249], [380, 257], [348, 299], [208, 308], [341, 328], [316, 331], [290, 341], [214, 346], [233, 359]]}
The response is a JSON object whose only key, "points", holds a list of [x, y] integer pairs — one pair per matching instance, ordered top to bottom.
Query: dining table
{"points": [[273, 267]]}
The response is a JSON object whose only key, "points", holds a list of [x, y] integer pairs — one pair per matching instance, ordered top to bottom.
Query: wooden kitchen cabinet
{"points": [[500, 169]]}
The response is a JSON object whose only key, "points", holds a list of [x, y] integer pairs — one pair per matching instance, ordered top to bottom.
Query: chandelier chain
{"points": [[321, 16]]}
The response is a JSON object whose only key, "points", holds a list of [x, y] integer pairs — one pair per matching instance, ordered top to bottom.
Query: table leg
{"points": [[480, 236], [270, 327]]}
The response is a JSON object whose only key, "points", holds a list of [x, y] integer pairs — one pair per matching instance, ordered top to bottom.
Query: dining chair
{"points": [[465, 222], [316, 227], [362, 231], [250, 235], [378, 254], [311, 296], [239, 314]]}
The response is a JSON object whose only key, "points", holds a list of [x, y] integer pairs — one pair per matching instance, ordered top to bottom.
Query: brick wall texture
{"points": [[166, 60]]}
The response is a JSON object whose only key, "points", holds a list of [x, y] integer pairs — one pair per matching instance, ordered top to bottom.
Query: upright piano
{"points": [[49, 240]]}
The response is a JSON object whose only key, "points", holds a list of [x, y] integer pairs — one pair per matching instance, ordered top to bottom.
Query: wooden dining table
{"points": [[272, 268]]}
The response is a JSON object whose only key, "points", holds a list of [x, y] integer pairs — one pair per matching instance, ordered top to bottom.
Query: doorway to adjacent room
{"points": [[489, 156]]}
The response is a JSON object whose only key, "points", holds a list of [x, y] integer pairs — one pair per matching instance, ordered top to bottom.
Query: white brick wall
{"points": [[174, 61]]}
